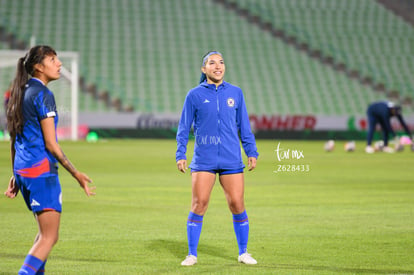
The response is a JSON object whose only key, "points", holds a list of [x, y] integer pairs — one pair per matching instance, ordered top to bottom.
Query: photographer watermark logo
{"points": [[283, 154]]}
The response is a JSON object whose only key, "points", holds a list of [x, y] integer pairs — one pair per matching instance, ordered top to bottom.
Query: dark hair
{"points": [[25, 69]]}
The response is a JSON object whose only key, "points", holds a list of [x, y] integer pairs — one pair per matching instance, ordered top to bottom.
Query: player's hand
{"points": [[252, 163], [182, 165], [84, 182], [12, 189]]}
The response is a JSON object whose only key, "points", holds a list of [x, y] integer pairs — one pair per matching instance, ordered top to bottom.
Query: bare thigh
{"points": [[202, 184], [233, 186]]}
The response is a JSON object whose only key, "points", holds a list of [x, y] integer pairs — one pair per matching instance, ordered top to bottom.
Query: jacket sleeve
{"points": [[184, 126], [246, 135]]}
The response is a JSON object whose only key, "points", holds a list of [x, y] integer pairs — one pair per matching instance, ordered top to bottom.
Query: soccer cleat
{"points": [[399, 147], [369, 149], [387, 149], [246, 258], [189, 260]]}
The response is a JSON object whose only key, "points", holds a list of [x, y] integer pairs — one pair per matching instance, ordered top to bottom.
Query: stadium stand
{"points": [[362, 35], [288, 56]]}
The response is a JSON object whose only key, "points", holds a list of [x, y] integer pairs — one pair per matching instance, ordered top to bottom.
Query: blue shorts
{"points": [[220, 171], [41, 194]]}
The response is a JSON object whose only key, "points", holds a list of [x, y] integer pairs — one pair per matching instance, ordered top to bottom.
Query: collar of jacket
{"points": [[213, 86]]}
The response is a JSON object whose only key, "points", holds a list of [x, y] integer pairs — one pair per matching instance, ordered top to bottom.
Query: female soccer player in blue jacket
{"points": [[218, 114], [31, 120]]}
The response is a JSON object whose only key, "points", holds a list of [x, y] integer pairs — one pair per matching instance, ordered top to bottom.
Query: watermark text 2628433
{"points": [[280, 168]]}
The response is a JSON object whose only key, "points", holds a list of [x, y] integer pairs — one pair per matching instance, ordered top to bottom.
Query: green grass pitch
{"points": [[351, 213]]}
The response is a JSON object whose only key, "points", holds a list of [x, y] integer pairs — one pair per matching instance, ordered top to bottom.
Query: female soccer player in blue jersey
{"points": [[218, 113], [31, 120]]}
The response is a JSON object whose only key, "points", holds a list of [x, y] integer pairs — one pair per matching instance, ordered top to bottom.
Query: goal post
{"points": [[66, 89]]}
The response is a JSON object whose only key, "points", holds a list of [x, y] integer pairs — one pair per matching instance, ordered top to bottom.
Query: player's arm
{"points": [[404, 125], [184, 126], [49, 135], [247, 138], [251, 163], [182, 165], [12, 189]]}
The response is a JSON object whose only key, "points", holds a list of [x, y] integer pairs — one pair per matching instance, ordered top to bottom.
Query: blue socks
{"points": [[194, 224], [241, 228], [30, 266], [41, 270]]}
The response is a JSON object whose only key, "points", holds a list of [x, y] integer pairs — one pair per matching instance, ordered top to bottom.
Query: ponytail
{"points": [[25, 68], [14, 107]]}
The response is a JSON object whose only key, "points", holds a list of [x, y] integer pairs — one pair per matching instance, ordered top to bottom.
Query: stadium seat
{"points": [[147, 54]]}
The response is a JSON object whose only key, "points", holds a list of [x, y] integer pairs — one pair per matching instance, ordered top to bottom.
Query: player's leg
{"points": [[372, 121], [385, 123], [202, 184], [233, 186], [43, 197], [48, 222], [49, 235], [41, 270]]}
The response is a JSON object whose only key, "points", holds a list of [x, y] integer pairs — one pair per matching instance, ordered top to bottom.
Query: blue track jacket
{"points": [[218, 116]]}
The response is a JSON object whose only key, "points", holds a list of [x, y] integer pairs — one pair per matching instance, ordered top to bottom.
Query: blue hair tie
{"points": [[210, 54]]}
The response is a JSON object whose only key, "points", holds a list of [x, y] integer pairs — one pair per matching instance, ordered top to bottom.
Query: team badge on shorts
{"points": [[230, 102]]}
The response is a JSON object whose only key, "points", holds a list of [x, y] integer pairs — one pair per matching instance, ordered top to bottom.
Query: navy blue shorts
{"points": [[220, 171], [41, 194]]}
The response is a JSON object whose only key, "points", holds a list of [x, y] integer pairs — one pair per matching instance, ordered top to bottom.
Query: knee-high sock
{"points": [[194, 224], [241, 228], [30, 266], [41, 270]]}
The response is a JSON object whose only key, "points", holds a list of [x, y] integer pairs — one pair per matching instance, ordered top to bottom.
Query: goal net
{"points": [[65, 89]]}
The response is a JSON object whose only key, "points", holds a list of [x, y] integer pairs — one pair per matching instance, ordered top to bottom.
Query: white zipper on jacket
{"points": [[218, 125]]}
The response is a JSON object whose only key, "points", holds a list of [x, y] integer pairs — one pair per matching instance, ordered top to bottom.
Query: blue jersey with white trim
{"points": [[218, 116], [32, 159]]}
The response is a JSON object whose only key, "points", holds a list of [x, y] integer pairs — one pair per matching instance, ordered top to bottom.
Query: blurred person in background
{"points": [[6, 98], [218, 113], [380, 113], [32, 120]]}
